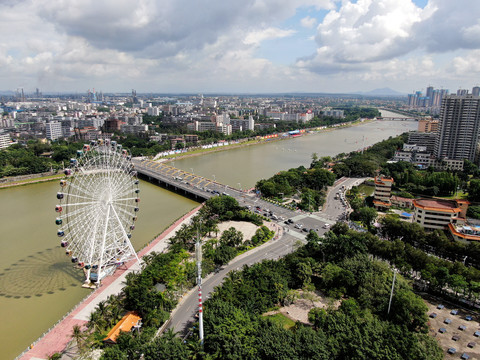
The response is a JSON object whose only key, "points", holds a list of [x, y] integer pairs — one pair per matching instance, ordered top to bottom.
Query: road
{"points": [[333, 210], [184, 314]]}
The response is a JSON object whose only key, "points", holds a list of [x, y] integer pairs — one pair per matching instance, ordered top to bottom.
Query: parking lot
{"points": [[454, 328]]}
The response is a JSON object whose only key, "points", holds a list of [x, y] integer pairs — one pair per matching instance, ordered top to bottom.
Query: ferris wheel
{"points": [[97, 209]]}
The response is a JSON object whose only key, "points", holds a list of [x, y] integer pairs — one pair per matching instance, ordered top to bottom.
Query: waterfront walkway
{"points": [[58, 338]]}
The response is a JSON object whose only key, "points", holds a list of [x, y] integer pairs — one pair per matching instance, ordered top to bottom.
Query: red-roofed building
{"points": [[383, 191], [439, 213], [130, 320]]}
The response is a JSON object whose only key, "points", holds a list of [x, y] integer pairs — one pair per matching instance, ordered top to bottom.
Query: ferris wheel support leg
{"points": [[126, 237], [103, 246], [92, 248]]}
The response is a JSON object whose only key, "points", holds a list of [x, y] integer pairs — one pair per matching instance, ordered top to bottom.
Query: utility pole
{"points": [[198, 254], [391, 293]]}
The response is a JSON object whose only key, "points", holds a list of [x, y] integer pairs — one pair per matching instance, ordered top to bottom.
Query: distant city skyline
{"points": [[261, 46]]}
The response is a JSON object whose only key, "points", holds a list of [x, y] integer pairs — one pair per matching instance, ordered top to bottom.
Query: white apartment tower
{"points": [[53, 130], [4, 141]]}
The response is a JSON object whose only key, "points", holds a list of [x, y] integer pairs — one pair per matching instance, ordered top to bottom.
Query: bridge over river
{"points": [[184, 182], [202, 188]]}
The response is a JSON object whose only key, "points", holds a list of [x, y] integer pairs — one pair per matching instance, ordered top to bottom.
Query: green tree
{"points": [[474, 190], [367, 216], [231, 237]]}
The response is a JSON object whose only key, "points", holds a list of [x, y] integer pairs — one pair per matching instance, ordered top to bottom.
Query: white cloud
{"points": [[308, 22], [368, 30], [256, 37], [180, 45], [466, 66]]}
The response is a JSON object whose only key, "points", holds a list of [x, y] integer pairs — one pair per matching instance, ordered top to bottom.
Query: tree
{"points": [[474, 190], [367, 215], [231, 237], [338, 247], [409, 309], [318, 317], [79, 336], [113, 353]]}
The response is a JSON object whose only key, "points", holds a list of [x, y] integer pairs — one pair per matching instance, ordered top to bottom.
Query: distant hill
{"points": [[382, 92]]}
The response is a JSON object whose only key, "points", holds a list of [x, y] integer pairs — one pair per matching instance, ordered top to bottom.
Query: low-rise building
{"points": [[402, 202], [439, 213], [464, 232]]}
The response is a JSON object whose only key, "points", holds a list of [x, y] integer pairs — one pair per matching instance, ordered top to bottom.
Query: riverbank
{"points": [[310, 131], [34, 179], [59, 336]]}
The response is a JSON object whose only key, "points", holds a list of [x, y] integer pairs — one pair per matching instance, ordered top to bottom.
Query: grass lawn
{"points": [[366, 189], [282, 320]]}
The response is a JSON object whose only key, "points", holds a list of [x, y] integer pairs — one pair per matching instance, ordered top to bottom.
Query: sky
{"points": [[232, 46]]}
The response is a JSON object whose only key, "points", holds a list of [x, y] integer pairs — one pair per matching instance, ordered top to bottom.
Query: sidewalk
{"points": [[59, 337]]}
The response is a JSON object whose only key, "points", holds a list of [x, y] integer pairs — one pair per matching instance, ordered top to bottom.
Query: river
{"points": [[243, 167], [38, 283]]}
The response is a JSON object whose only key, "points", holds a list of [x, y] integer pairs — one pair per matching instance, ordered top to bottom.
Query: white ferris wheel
{"points": [[97, 209]]}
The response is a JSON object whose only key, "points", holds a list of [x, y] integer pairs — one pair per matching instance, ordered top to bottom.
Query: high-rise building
{"points": [[476, 91], [429, 96], [458, 128], [53, 130], [4, 141]]}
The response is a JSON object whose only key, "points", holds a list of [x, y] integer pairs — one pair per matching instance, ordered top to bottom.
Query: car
{"points": [[290, 221], [286, 222], [326, 226], [305, 229], [440, 306], [454, 312], [433, 315], [469, 317], [447, 321], [462, 327], [442, 330], [476, 333], [455, 337], [472, 344], [452, 350], [465, 356]]}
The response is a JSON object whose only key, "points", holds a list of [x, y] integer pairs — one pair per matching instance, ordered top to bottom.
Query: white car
{"points": [[326, 226]]}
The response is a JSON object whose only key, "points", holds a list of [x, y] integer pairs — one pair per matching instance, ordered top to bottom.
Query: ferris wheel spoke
{"points": [[79, 204]]}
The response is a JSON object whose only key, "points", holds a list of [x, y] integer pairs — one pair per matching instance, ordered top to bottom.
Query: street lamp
{"points": [[192, 170], [214, 177], [240, 186]]}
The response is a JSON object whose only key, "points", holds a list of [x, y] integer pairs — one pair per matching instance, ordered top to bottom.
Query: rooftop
{"points": [[437, 205]]}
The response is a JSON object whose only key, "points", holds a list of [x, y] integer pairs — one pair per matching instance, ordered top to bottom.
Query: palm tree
{"points": [[95, 321], [78, 336]]}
